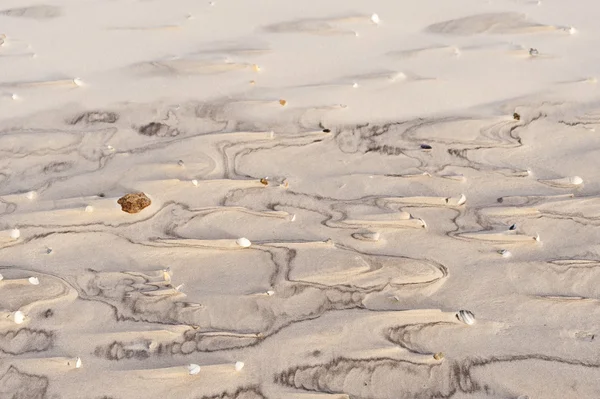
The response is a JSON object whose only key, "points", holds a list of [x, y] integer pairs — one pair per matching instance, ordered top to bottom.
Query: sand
{"points": [[329, 185]]}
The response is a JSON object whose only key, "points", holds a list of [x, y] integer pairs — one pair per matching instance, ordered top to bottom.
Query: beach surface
{"points": [[341, 199]]}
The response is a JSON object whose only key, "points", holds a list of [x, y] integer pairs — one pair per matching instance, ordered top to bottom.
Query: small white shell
{"points": [[375, 19], [78, 82], [354, 85], [195, 182], [31, 195], [457, 201], [89, 209], [15, 234], [243, 242], [505, 253], [1, 277], [34, 281], [270, 293], [19, 317], [466, 317], [78, 363], [239, 366], [193, 369]]}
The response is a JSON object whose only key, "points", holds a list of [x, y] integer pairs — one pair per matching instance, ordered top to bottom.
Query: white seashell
{"points": [[375, 19], [78, 82], [354, 85], [15, 96], [195, 182], [564, 182], [31, 195], [457, 201], [89, 209], [293, 219], [15, 234], [367, 236], [243, 242], [505, 253], [1, 277], [34, 281], [270, 293], [19, 317], [466, 317], [78, 363], [239, 366], [193, 369]]}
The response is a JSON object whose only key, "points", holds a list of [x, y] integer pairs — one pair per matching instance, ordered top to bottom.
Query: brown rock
{"points": [[134, 203]]}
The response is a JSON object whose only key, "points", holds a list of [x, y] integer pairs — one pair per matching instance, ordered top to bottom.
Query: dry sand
{"points": [[329, 189]]}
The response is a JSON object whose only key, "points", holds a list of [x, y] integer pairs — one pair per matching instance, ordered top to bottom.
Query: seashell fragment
{"points": [[375, 19], [282, 103], [264, 181], [195, 182], [565, 182], [31, 195], [457, 201], [89, 209], [15, 234], [243, 242], [505, 253], [1, 277], [34, 281], [270, 292], [19, 317], [466, 317], [438, 356], [78, 363], [239, 366], [193, 369]]}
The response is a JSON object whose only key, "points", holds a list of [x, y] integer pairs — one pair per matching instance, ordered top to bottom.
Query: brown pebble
{"points": [[282, 102], [516, 117], [264, 181], [134, 203], [438, 356]]}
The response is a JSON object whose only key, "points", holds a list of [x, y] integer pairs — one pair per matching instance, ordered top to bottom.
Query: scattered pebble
{"points": [[533, 52], [283, 103], [516, 117], [426, 147], [180, 163], [264, 181], [134, 203], [438, 356], [239, 366]]}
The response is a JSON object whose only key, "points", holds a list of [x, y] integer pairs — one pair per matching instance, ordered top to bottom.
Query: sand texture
{"points": [[304, 200]]}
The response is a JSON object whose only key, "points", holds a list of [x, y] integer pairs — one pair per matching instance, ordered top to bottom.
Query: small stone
{"points": [[282, 103], [516, 117], [264, 181], [134, 203], [438, 356], [239, 366]]}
